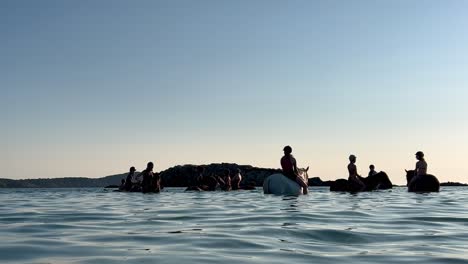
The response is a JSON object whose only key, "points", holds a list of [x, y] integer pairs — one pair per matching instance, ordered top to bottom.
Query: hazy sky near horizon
{"points": [[90, 88]]}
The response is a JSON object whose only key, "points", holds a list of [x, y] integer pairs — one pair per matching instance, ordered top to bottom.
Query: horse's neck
{"points": [[303, 175]]}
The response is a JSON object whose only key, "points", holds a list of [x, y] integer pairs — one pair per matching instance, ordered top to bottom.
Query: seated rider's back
{"points": [[287, 163], [421, 168], [352, 170], [354, 178], [147, 180], [128, 181]]}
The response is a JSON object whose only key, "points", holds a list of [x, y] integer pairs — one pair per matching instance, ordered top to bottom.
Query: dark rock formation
{"points": [[186, 175], [316, 181], [379, 181], [426, 183], [453, 184]]}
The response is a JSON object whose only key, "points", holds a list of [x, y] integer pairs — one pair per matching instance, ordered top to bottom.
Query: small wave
{"points": [[96, 226]]}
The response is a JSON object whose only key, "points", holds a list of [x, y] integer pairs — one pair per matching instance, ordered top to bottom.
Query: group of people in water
{"points": [[355, 178], [147, 181], [227, 181]]}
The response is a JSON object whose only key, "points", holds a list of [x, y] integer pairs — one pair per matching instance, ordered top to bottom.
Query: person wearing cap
{"points": [[421, 165], [289, 166], [372, 171], [353, 175]]}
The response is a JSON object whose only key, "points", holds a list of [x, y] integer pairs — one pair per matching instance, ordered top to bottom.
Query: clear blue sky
{"points": [[90, 88]]}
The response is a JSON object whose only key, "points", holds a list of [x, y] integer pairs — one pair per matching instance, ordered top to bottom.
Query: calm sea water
{"points": [[101, 226]]}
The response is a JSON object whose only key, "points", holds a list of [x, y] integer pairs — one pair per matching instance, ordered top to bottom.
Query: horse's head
{"points": [[303, 174], [409, 175]]}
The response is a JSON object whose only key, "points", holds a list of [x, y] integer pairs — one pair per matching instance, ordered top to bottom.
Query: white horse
{"points": [[279, 184]]}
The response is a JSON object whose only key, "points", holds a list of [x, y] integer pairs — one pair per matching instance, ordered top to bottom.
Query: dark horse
{"points": [[379, 181], [426, 183]]}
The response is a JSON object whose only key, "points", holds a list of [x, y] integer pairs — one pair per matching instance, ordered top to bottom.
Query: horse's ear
{"points": [[307, 169], [406, 170]]}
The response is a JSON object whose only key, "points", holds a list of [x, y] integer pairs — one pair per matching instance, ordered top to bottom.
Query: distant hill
{"points": [[69, 182], [453, 184]]}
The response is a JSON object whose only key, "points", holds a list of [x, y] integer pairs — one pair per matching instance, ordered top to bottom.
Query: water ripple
{"points": [[100, 226]]}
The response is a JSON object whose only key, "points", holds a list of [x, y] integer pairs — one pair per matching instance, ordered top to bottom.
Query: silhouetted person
{"points": [[289, 166], [421, 166], [372, 171], [353, 175], [137, 180], [236, 180], [128, 181], [199, 181], [204, 182], [211, 182], [225, 182], [147, 183], [156, 183], [122, 185]]}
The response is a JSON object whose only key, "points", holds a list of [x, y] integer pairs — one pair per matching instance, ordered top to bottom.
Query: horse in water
{"points": [[379, 181], [425, 183], [279, 184]]}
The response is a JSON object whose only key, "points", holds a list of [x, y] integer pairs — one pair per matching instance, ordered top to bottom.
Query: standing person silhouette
{"points": [[289, 166]]}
